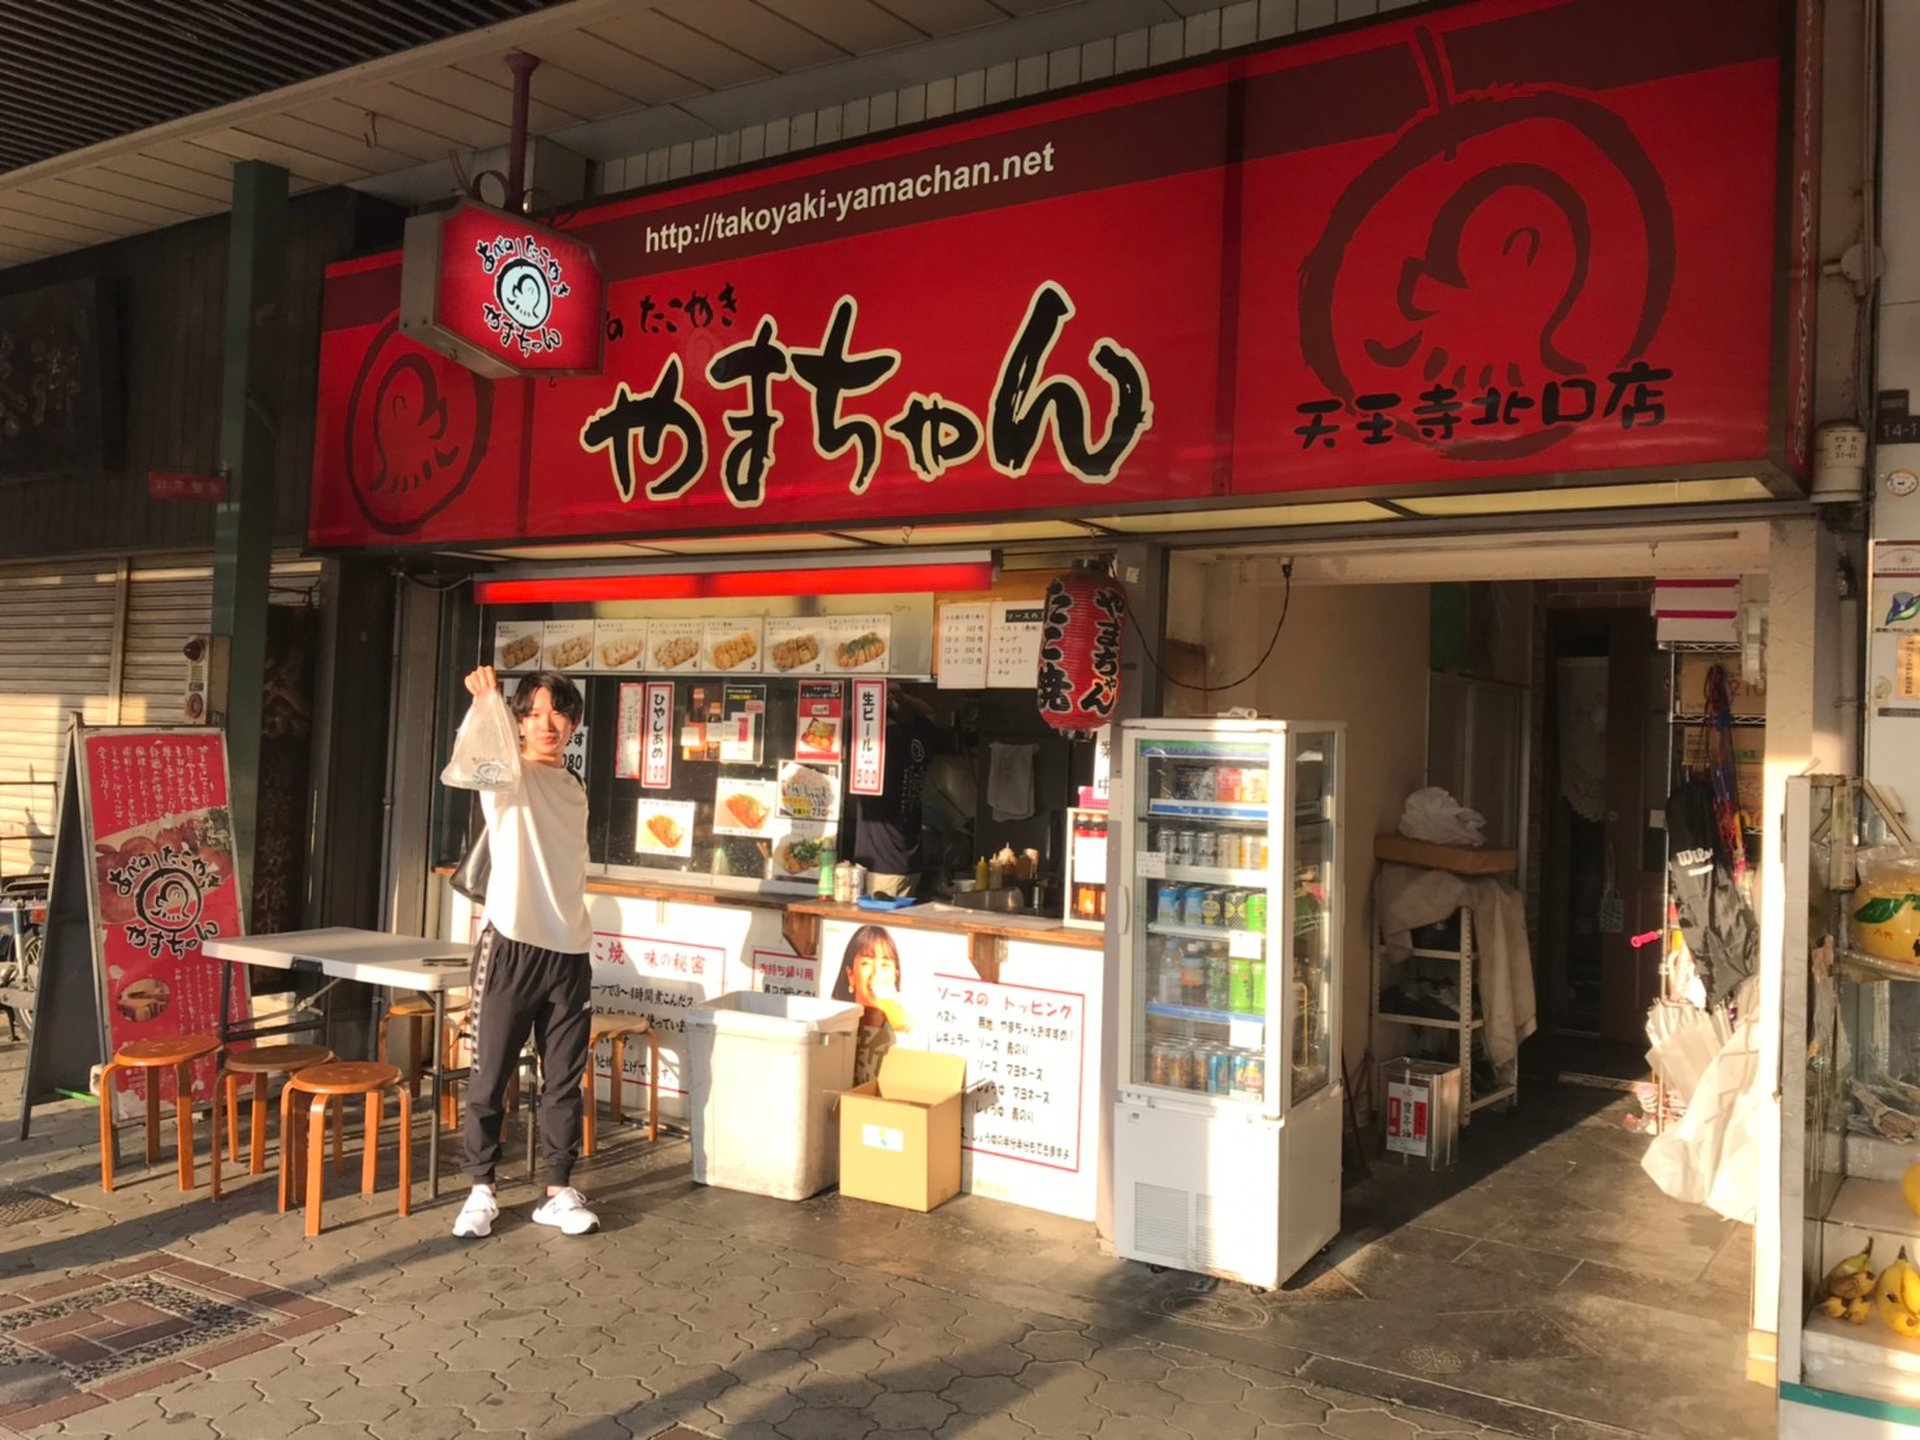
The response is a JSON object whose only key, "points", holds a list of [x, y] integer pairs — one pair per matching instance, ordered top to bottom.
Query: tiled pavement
{"points": [[1440, 1312]]}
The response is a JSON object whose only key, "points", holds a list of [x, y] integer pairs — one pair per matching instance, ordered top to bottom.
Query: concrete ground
{"points": [[1543, 1289]]}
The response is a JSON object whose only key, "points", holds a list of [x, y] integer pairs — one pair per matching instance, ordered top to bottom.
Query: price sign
{"points": [[869, 737], [656, 769], [1149, 865], [1246, 944]]}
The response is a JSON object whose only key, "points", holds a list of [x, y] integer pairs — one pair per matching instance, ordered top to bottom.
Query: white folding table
{"points": [[372, 957]]}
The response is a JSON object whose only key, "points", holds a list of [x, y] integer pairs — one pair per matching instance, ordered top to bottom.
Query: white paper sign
{"points": [[858, 643], [516, 644], [620, 644], [673, 644], [1013, 644], [569, 645], [731, 646], [796, 646], [963, 646], [632, 727], [574, 757], [869, 769], [656, 772], [745, 807], [664, 827], [1148, 865], [1246, 944], [781, 972], [1246, 1034], [1025, 1049], [881, 1137]]}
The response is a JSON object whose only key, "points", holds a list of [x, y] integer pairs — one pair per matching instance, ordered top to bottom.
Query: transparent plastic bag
{"points": [[486, 751]]}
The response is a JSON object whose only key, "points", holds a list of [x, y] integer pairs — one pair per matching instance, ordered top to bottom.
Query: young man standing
{"points": [[530, 965]]}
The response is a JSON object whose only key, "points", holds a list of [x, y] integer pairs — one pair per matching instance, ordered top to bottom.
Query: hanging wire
{"points": [[1286, 603]]}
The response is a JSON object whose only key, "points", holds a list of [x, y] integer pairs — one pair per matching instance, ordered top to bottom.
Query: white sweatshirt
{"points": [[537, 887]]}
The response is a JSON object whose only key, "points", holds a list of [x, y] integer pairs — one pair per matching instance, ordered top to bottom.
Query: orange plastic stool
{"points": [[417, 1011], [617, 1032], [177, 1053], [259, 1063], [326, 1084]]}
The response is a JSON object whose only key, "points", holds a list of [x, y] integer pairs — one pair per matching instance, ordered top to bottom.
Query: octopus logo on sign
{"points": [[1493, 274], [527, 279], [524, 294], [416, 431], [168, 888]]}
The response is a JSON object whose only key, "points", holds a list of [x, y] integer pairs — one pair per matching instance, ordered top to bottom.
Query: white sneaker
{"points": [[567, 1212], [476, 1217]]}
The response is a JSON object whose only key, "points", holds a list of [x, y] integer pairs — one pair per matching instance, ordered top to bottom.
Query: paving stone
{"points": [[1056, 1345], [705, 1348], [848, 1355], [991, 1359], [628, 1361], [1131, 1362], [772, 1369], [904, 1373], [543, 1375], [310, 1381], [691, 1383], [1215, 1383], [465, 1388], [849, 1391], [598, 1396], [208, 1397], [1136, 1398], [362, 1404], [754, 1404], [1289, 1405], [507, 1410], [910, 1410], [1214, 1418], [424, 1422], [1429, 1422], [826, 1423], [1367, 1425], [173, 1427], [991, 1427], [331, 1430]]}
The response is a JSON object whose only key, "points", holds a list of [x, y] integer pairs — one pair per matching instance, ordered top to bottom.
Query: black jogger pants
{"points": [[517, 988]]}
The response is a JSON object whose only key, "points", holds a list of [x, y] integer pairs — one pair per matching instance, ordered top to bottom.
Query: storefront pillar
{"points": [[243, 522], [1142, 568]]}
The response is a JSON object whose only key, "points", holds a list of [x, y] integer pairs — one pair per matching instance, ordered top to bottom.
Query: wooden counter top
{"points": [[958, 919]]}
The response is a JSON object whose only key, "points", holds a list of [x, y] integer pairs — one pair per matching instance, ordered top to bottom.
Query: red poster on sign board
{"points": [[1489, 244], [820, 726], [164, 881]]}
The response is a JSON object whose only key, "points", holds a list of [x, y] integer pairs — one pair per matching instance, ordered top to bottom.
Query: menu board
{"points": [[517, 644], [620, 644], [674, 644], [858, 644], [1013, 644], [569, 645], [731, 645], [796, 645], [963, 646], [743, 724], [809, 792], [664, 827], [797, 848], [1025, 1049]]}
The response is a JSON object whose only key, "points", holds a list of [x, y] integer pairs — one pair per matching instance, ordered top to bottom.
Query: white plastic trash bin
{"points": [[764, 1074]]}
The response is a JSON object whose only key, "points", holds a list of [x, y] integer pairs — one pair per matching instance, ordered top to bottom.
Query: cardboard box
{"points": [[1460, 859], [900, 1134]]}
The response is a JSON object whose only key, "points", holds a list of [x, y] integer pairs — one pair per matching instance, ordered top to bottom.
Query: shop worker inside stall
{"points": [[887, 840]]}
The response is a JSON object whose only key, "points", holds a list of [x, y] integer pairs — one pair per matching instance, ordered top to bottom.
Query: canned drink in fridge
{"points": [[1226, 783], [1253, 787], [1180, 847], [1206, 848], [1258, 856], [1192, 899], [1167, 904], [1213, 907], [1234, 910], [1254, 912], [1219, 983], [1259, 984], [1242, 997], [1160, 1063], [1179, 1065], [1219, 1071], [1250, 1074]]}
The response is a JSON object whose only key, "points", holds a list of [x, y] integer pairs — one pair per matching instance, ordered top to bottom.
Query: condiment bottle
{"points": [[982, 877], [843, 882], [825, 886]]}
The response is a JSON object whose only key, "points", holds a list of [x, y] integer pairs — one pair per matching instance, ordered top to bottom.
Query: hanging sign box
{"points": [[501, 295], [656, 762]]}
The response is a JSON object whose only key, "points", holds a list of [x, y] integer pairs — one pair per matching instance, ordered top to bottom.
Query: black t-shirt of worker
{"points": [[888, 841]]}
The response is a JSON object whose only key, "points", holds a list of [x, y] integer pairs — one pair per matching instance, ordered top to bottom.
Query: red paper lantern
{"points": [[1078, 683]]}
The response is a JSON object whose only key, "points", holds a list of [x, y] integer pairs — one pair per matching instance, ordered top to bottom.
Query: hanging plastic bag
{"points": [[486, 751], [1435, 816]]}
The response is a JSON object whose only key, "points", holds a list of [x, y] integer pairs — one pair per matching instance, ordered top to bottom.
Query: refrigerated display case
{"points": [[1851, 1116], [1227, 1125]]}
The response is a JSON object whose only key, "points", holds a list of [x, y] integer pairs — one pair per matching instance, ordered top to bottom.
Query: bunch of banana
{"points": [[1849, 1284], [1897, 1295]]}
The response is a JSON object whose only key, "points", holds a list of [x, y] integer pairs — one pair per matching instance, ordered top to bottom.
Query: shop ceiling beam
{"points": [[254, 341]]}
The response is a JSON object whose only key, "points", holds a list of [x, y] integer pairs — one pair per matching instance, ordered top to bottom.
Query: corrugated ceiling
{"points": [[85, 71]]}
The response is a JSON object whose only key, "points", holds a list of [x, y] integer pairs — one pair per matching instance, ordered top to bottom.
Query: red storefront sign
{"points": [[1518, 240], [501, 295]]}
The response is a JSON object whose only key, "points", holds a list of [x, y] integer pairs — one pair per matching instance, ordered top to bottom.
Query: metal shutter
{"points": [[56, 657]]}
